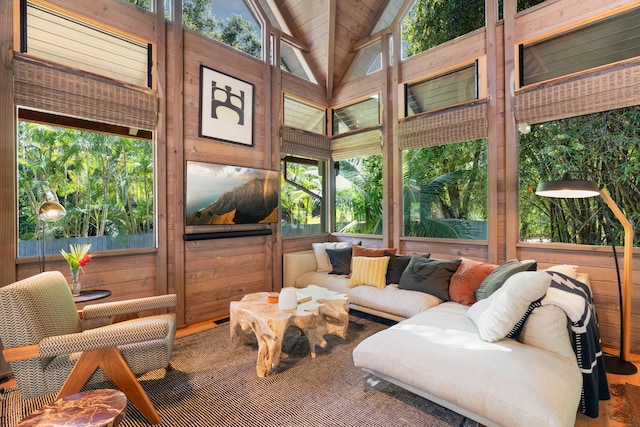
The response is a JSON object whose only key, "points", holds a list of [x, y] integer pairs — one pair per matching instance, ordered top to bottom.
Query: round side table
{"points": [[91, 295], [95, 408]]}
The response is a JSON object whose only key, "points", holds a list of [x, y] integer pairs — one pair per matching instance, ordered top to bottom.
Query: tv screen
{"points": [[222, 194]]}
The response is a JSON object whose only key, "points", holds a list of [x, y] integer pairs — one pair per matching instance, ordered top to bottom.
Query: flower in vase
{"points": [[77, 257]]}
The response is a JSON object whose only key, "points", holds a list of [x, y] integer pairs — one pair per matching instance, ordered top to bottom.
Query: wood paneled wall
{"points": [[208, 274]]}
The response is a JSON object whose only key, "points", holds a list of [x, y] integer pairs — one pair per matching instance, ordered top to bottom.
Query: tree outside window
{"points": [[601, 147], [105, 182], [445, 191]]}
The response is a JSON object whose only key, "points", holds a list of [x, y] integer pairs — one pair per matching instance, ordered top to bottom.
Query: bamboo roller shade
{"points": [[48, 87], [613, 87], [455, 124], [306, 144], [362, 144]]}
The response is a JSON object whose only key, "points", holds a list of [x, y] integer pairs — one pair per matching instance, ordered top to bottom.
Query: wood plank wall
{"points": [[208, 274]]}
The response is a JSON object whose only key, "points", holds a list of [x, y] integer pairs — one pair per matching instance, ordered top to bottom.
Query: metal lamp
{"points": [[575, 188], [49, 211]]}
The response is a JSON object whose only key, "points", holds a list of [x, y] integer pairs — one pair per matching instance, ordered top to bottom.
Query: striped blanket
{"points": [[574, 297]]}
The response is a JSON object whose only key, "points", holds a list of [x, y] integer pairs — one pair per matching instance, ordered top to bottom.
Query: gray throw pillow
{"points": [[340, 259], [397, 265], [431, 276], [497, 277]]}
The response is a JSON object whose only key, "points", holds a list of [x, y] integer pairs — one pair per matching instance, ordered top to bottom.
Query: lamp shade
{"points": [[568, 187], [50, 211]]}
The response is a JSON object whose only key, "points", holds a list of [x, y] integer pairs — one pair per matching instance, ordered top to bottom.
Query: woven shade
{"points": [[48, 87], [614, 87], [457, 124], [300, 143], [363, 144]]}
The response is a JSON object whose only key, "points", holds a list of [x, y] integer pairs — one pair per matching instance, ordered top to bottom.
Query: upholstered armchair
{"points": [[40, 329]]}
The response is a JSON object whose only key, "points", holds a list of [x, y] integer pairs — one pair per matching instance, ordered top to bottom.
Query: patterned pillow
{"points": [[370, 271]]}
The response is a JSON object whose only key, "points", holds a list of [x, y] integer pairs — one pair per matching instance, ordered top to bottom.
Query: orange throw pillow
{"points": [[372, 252], [467, 278]]}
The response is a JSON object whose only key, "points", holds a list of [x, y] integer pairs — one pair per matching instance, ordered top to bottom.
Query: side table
{"points": [[91, 295], [95, 408]]}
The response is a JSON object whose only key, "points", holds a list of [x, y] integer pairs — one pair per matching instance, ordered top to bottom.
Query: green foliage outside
{"points": [[234, 31], [602, 147], [105, 182], [445, 191], [301, 204], [358, 204]]}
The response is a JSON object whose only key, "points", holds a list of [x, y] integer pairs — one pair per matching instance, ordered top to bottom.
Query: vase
{"points": [[74, 286]]}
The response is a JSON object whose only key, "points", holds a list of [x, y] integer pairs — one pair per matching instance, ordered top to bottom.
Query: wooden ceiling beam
{"points": [[331, 35]]}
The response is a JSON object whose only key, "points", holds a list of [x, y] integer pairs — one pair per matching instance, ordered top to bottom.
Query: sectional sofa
{"points": [[456, 353]]}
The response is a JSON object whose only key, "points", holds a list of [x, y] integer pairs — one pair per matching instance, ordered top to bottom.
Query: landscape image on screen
{"points": [[222, 194]]}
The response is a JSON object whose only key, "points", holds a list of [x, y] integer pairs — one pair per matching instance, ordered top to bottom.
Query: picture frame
{"points": [[226, 107]]}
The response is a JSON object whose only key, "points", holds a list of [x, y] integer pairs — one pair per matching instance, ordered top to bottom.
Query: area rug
{"points": [[214, 383], [627, 410]]}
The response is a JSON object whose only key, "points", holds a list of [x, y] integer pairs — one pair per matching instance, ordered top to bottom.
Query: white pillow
{"points": [[322, 259], [566, 269], [498, 315], [547, 327]]}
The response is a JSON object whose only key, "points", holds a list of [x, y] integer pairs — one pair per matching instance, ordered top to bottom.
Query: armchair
{"points": [[41, 332]]}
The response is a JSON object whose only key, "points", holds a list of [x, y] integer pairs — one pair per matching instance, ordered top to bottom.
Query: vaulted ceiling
{"points": [[329, 29]]}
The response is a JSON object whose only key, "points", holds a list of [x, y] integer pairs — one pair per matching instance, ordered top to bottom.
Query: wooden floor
{"points": [[606, 407]]}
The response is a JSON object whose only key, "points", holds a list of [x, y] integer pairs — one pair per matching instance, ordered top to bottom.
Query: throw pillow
{"points": [[320, 251], [372, 252], [340, 259], [397, 265], [369, 271], [431, 276], [497, 277], [466, 280], [497, 315]]}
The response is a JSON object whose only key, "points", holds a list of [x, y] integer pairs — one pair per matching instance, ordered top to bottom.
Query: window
{"points": [[430, 23], [233, 24], [63, 40], [604, 42], [442, 91], [304, 115], [356, 116], [602, 147], [104, 181], [445, 191], [301, 196], [358, 202]]}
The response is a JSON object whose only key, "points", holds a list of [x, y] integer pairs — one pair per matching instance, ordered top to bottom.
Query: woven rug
{"points": [[214, 383], [627, 410]]}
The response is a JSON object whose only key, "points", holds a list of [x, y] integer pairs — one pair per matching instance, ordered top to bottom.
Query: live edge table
{"points": [[325, 313]]}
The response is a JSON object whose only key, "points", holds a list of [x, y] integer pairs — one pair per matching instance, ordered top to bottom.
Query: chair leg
{"points": [[112, 363]]}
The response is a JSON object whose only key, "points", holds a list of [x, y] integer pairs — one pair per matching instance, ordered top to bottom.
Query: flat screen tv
{"points": [[222, 194]]}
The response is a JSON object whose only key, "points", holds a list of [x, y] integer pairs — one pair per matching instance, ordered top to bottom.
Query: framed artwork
{"points": [[226, 107]]}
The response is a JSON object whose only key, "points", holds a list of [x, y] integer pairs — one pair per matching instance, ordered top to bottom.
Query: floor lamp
{"points": [[575, 188], [49, 211]]}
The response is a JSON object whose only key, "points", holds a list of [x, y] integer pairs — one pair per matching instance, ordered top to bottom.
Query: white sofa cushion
{"points": [[333, 282], [390, 299], [439, 352]]}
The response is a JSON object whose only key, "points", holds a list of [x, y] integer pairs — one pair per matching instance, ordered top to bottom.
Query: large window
{"points": [[445, 90], [602, 147], [104, 181], [445, 191], [301, 196], [358, 202]]}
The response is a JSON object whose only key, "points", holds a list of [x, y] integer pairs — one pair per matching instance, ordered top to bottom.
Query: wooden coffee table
{"points": [[326, 313]]}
